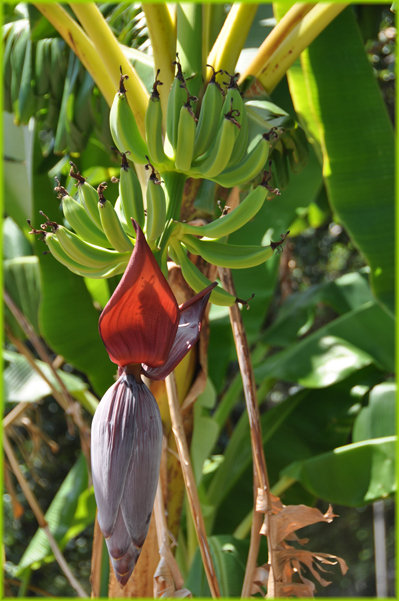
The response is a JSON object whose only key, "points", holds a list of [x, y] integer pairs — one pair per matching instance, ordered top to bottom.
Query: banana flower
{"points": [[145, 332]]}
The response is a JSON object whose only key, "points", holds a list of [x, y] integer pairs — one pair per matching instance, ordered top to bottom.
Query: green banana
{"points": [[177, 97], [209, 116], [153, 129], [124, 130], [185, 137], [216, 159], [249, 167], [87, 195], [131, 196], [89, 199], [156, 208], [81, 222], [231, 222], [112, 227], [88, 254], [228, 255], [61, 256], [196, 279]]}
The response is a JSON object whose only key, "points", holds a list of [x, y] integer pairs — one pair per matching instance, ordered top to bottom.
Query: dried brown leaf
{"points": [[294, 517]]}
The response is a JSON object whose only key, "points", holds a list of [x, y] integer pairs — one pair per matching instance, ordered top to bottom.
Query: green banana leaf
{"points": [[336, 96], [17, 190], [15, 244], [22, 283], [298, 312], [358, 338], [378, 418], [307, 423], [205, 430], [352, 475], [63, 516], [229, 557]]}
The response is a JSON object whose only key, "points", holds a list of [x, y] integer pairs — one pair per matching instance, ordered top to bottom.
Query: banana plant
{"points": [[193, 124]]}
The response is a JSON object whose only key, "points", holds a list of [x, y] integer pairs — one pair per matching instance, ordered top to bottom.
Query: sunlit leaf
{"points": [[336, 95], [23, 384], [351, 475]]}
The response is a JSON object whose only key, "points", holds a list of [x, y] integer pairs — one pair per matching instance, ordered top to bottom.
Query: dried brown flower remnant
{"points": [[289, 561]]}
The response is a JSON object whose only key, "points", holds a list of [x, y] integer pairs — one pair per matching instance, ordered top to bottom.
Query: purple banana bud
{"points": [[126, 444]]}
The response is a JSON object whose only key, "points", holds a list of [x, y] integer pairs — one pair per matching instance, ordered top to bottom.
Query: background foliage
{"points": [[321, 323]]}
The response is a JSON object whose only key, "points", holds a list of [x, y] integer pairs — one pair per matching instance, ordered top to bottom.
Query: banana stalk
{"points": [[162, 33], [231, 39], [83, 47], [113, 58], [271, 63]]}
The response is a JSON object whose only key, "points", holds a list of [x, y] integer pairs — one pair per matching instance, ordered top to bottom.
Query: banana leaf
{"points": [[337, 98]]}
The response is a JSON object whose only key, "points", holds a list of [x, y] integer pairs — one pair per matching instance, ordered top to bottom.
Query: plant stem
{"points": [[296, 30], [231, 39], [163, 43], [82, 46], [113, 58], [174, 183], [62, 396], [261, 479], [189, 480], [34, 505], [163, 539]]}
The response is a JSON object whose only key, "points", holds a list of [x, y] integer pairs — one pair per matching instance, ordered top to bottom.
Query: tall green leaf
{"points": [[336, 96], [352, 475]]}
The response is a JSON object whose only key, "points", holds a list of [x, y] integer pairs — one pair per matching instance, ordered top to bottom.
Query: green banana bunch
{"points": [[124, 130], [156, 207], [79, 219], [233, 221], [111, 224], [83, 258], [108, 269]]}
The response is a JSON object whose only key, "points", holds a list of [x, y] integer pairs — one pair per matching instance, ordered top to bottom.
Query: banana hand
{"points": [[231, 222]]}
